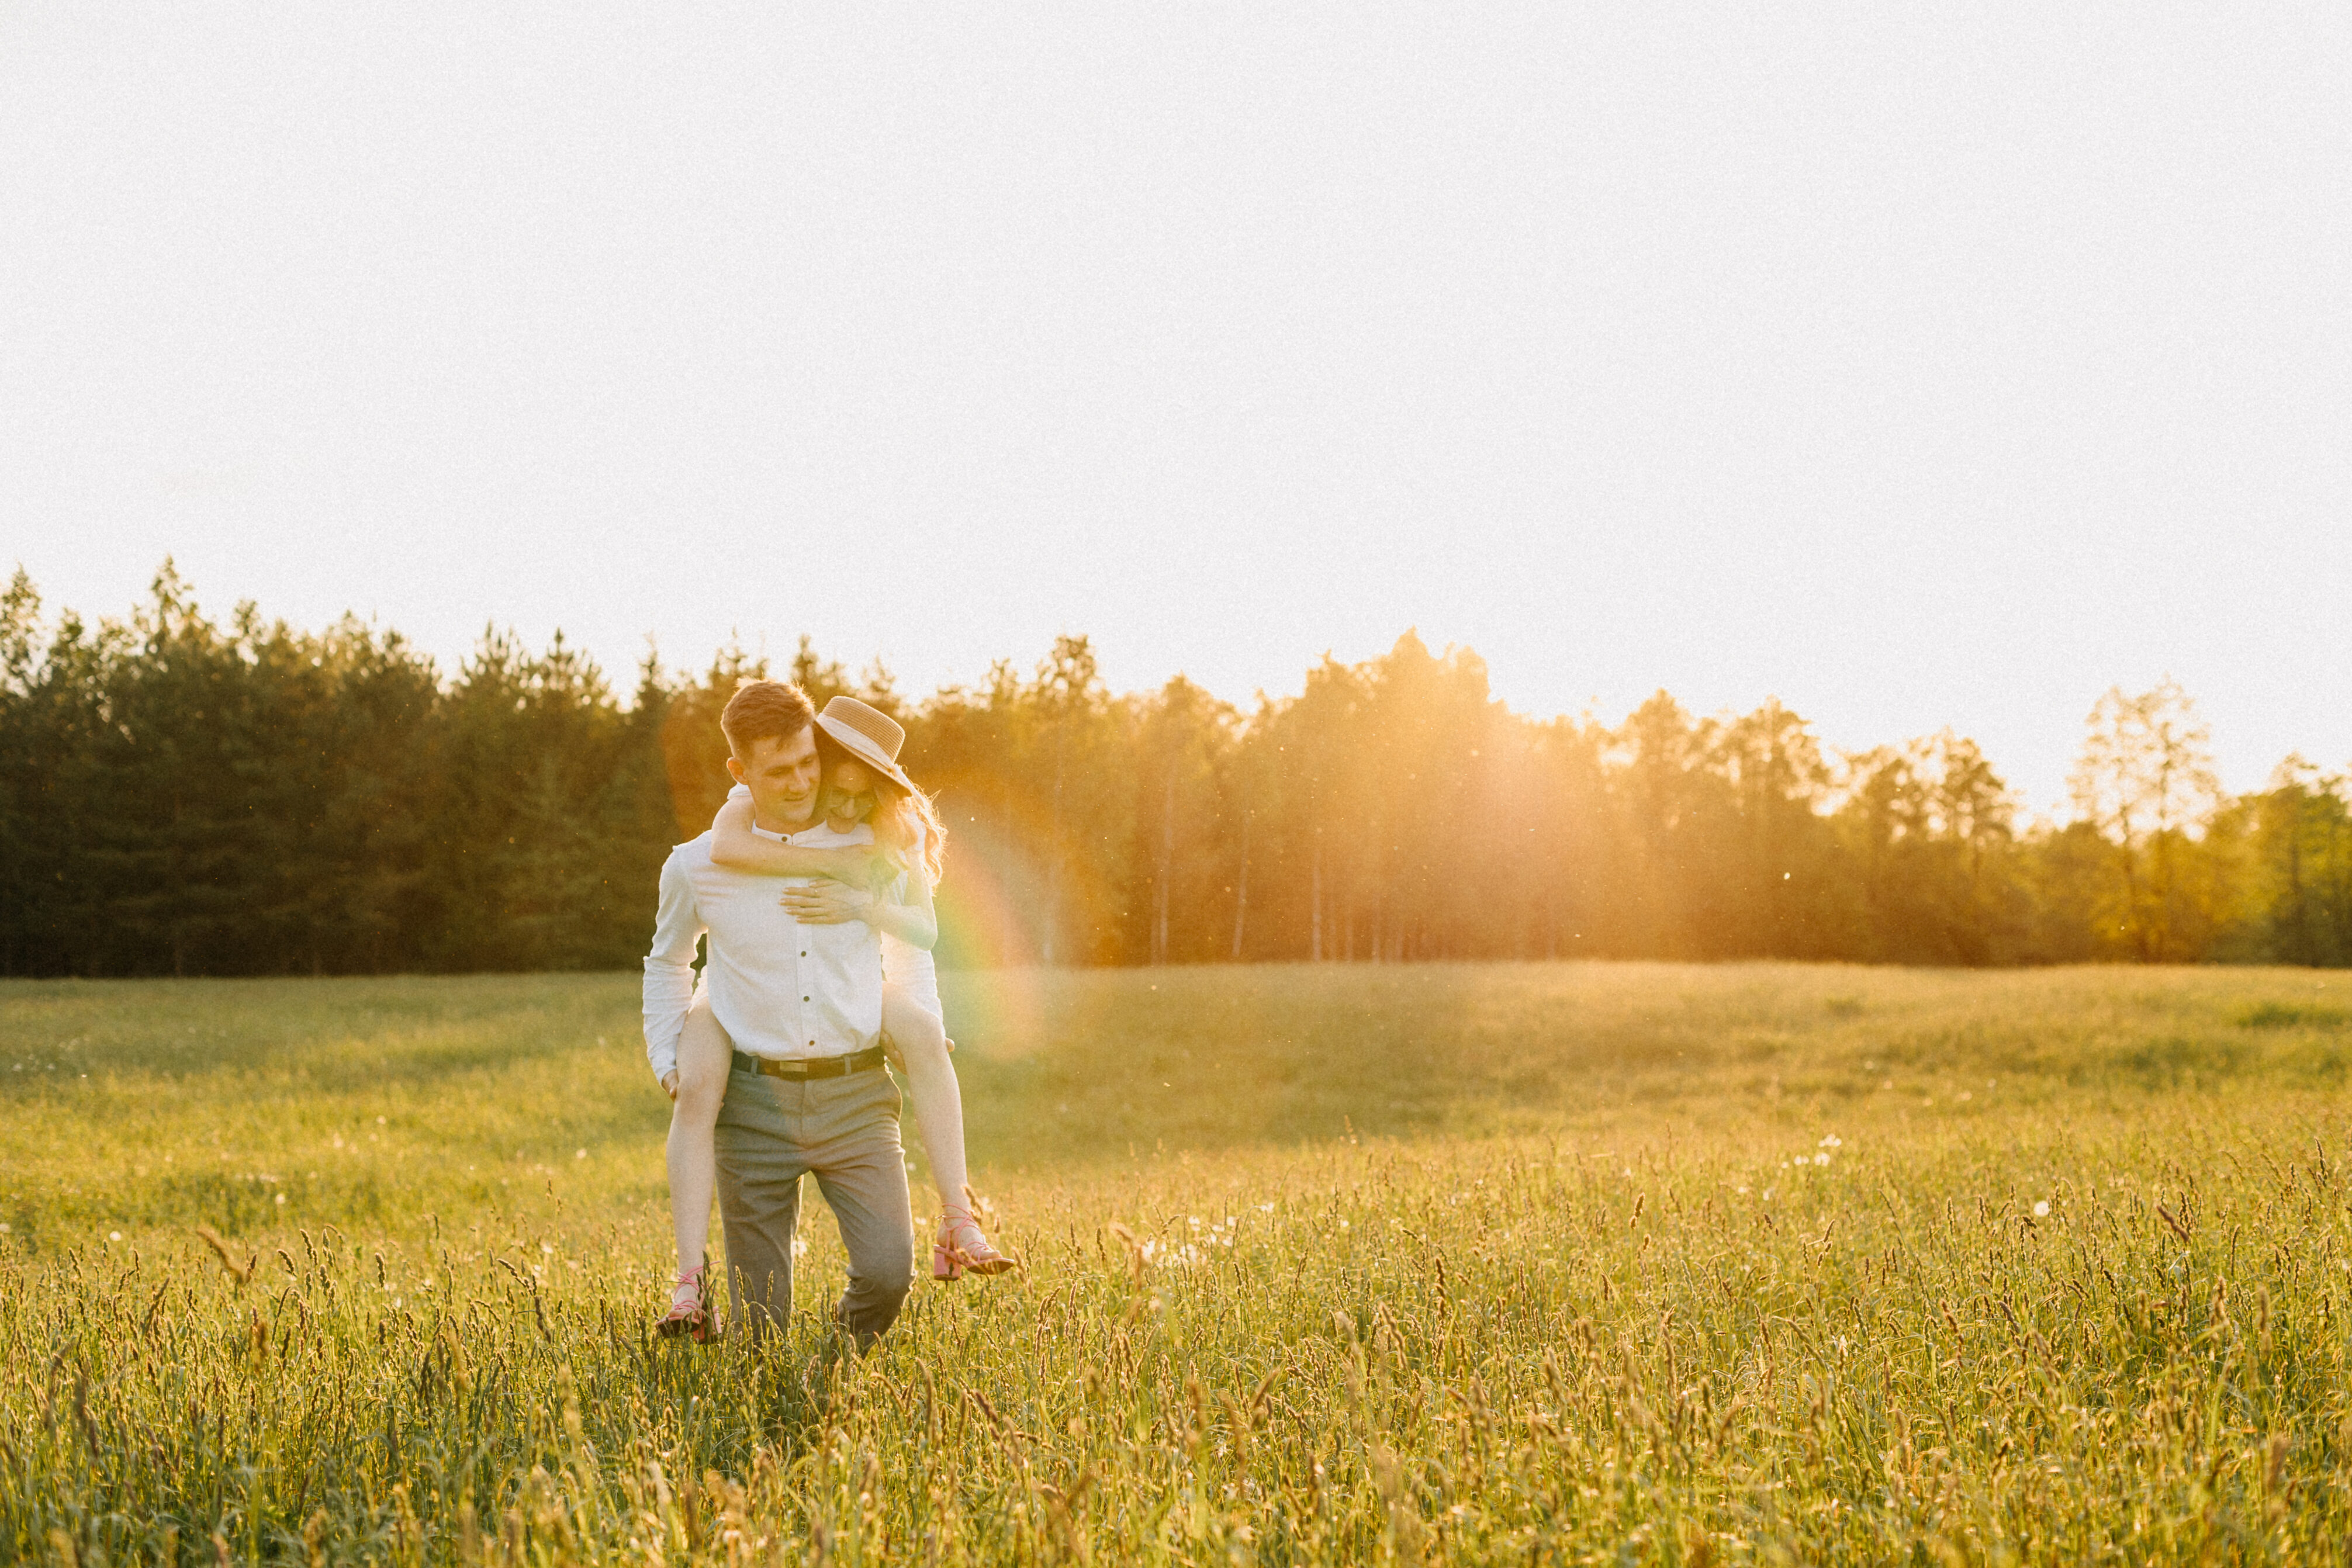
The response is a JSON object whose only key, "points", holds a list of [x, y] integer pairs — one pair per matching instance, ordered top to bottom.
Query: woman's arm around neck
{"points": [[734, 845]]}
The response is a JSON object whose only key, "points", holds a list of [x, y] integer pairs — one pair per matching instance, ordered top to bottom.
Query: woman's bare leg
{"points": [[922, 1042], [704, 1056]]}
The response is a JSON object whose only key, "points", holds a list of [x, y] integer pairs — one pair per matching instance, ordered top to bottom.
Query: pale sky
{"points": [[1919, 365]]}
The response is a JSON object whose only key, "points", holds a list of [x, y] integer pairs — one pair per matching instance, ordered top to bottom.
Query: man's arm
{"points": [[669, 968]]}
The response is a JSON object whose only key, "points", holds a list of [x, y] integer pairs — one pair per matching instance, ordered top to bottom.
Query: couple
{"points": [[814, 886]]}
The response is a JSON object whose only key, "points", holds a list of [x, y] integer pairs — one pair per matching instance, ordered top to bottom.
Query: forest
{"points": [[185, 796]]}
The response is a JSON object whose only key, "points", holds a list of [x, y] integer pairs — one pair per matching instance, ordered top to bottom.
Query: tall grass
{"points": [[1550, 1264]]}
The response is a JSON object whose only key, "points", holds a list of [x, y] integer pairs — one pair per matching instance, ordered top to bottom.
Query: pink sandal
{"points": [[963, 1248], [689, 1306]]}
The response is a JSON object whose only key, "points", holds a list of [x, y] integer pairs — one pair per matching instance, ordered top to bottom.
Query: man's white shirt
{"points": [[780, 989]]}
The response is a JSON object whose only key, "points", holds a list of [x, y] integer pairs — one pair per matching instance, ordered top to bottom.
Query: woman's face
{"points": [[849, 794]]}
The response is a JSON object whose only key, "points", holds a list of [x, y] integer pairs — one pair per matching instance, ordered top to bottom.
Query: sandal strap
{"points": [[955, 1235]]}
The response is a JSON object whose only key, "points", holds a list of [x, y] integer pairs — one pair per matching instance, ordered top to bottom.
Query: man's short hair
{"points": [[764, 710]]}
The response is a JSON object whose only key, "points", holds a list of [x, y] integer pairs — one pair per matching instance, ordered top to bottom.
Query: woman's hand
{"points": [[856, 864], [824, 902], [669, 1083]]}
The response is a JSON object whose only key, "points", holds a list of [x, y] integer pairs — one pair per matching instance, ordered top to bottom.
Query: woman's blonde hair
{"points": [[904, 819]]}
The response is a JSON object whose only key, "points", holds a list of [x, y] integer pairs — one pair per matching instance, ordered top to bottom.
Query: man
{"points": [[802, 1005]]}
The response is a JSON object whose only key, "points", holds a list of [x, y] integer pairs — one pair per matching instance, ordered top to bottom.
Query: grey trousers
{"points": [[845, 1132]]}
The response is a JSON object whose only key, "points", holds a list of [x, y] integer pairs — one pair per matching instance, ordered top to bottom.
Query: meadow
{"points": [[1516, 1263]]}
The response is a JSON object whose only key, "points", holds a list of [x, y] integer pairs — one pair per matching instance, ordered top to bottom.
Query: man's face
{"points": [[783, 775]]}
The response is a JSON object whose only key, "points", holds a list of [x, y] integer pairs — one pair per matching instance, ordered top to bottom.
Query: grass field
{"points": [[1516, 1264]]}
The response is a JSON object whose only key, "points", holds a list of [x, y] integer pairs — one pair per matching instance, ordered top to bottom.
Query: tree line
{"points": [[182, 796]]}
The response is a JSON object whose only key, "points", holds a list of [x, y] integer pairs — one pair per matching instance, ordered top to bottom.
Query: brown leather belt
{"points": [[811, 1067]]}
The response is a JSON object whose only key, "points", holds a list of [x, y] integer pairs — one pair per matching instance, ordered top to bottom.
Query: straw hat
{"points": [[868, 734]]}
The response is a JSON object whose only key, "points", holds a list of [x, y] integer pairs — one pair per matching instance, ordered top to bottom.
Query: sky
{"points": [[1922, 366]]}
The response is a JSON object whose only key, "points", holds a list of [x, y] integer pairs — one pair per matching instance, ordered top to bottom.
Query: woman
{"points": [[889, 887]]}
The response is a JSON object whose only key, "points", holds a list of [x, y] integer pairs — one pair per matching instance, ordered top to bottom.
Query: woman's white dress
{"points": [[911, 969]]}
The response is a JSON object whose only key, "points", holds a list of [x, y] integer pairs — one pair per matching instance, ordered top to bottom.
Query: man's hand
{"points": [[825, 903], [896, 1058], [669, 1083]]}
